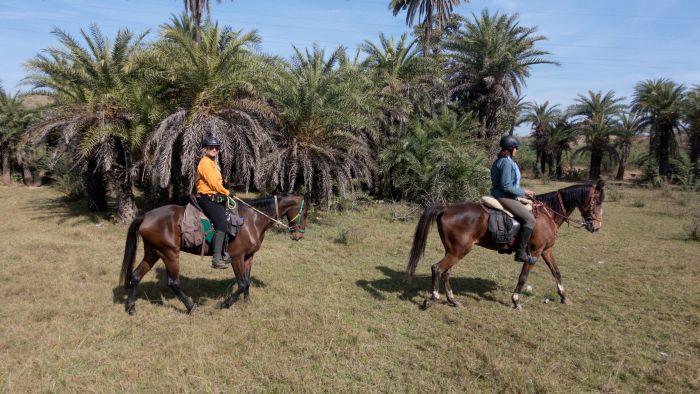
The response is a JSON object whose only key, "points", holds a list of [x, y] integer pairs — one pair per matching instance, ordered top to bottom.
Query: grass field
{"points": [[330, 313]]}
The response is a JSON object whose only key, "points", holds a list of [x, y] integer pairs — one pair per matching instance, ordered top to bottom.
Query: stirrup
{"points": [[527, 259]]}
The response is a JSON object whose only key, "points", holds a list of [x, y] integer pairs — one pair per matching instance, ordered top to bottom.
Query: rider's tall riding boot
{"points": [[218, 245], [521, 248]]}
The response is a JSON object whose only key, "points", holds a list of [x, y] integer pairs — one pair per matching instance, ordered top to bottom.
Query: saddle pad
{"points": [[493, 203]]}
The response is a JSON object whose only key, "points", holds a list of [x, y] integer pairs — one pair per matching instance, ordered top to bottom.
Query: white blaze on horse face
{"points": [[436, 295]]}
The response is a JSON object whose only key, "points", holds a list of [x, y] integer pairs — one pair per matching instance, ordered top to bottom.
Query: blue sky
{"points": [[601, 44]]}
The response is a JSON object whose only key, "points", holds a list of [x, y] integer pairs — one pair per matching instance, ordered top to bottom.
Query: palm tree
{"points": [[195, 9], [430, 12], [489, 60], [394, 67], [93, 88], [209, 88], [660, 102], [517, 107], [692, 118], [543, 119], [14, 120], [596, 120], [631, 125], [561, 137], [322, 143]]}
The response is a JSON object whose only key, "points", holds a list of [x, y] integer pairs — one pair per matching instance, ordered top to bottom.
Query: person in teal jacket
{"points": [[505, 187]]}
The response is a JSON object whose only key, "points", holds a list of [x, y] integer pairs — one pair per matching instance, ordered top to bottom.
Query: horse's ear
{"points": [[599, 186]]}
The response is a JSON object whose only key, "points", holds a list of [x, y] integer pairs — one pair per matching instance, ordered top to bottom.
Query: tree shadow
{"points": [[44, 209], [195, 288], [476, 288]]}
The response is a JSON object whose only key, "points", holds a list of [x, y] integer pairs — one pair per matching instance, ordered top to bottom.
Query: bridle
{"points": [[588, 217], [297, 227]]}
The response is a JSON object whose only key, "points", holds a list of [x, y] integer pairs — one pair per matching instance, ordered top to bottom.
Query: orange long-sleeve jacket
{"points": [[209, 181]]}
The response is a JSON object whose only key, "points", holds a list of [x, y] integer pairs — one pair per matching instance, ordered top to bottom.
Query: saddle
{"points": [[501, 224], [197, 230]]}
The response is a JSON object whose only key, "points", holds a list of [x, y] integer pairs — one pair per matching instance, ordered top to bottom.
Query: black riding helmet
{"points": [[210, 140], [508, 141]]}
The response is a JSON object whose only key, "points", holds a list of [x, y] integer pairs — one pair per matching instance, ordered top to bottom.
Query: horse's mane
{"points": [[571, 196], [264, 204]]}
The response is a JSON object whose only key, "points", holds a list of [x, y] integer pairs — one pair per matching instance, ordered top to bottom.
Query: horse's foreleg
{"points": [[548, 256], [149, 260], [238, 265], [172, 268], [438, 269], [524, 272]]}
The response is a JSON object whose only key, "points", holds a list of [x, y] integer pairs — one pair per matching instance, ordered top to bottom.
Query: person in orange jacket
{"points": [[212, 197]]}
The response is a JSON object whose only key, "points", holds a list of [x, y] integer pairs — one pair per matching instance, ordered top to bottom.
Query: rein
{"points": [[563, 209], [289, 228]]}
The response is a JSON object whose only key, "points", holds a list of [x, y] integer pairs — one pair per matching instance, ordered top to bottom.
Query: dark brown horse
{"points": [[462, 226], [160, 230]]}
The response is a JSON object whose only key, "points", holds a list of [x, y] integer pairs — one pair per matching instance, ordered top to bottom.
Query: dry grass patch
{"points": [[334, 316]]}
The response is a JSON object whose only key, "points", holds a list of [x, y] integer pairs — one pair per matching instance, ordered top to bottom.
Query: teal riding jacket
{"points": [[505, 179]]}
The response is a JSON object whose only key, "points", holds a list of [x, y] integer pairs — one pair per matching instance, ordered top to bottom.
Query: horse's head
{"points": [[592, 209], [296, 216]]}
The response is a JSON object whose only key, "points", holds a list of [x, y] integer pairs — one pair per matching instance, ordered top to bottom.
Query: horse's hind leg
{"points": [[548, 256], [149, 260], [172, 268], [438, 269], [448, 289]]}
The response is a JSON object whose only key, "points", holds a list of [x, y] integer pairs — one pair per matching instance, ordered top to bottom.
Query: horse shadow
{"points": [[196, 288], [476, 288]]}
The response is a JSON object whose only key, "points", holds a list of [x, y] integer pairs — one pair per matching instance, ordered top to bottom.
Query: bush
{"points": [[436, 161], [66, 181], [613, 194]]}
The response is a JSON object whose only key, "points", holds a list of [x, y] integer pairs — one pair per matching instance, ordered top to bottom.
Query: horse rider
{"points": [[505, 187], [212, 196]]}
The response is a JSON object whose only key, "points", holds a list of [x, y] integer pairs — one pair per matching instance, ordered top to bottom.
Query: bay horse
{"points": [[461, 226], [160, 231]]}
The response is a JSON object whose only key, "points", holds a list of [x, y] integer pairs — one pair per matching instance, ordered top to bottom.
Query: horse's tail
{"points": [[419, 239], [132, 241]]}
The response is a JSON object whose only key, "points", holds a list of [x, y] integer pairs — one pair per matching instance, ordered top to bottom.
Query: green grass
{"points": [[330, 313]]}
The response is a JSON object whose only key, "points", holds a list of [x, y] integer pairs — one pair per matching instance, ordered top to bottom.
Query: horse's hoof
{"points": [[247, 301], [566, 302], [428, 303], [456, 304], [517, 307], [192, 309], [131, 310]]}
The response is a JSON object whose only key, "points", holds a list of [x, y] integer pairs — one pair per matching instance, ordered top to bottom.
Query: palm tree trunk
{"points": [[663, 149], [695, 150], [624, 153], [596, 161], [560, 170], [27, 175], [6, 176], [39, 177], [95, 189], [126, 201]]}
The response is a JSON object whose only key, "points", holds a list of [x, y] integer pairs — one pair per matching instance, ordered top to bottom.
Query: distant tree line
{"points": [[415, 117]]}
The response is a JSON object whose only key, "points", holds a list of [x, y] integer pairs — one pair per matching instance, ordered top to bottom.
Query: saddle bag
{"points": [[501, 226]]}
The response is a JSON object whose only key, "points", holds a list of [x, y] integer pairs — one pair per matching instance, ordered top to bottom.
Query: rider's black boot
{"points": [[218, 245], [521, 248]]}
